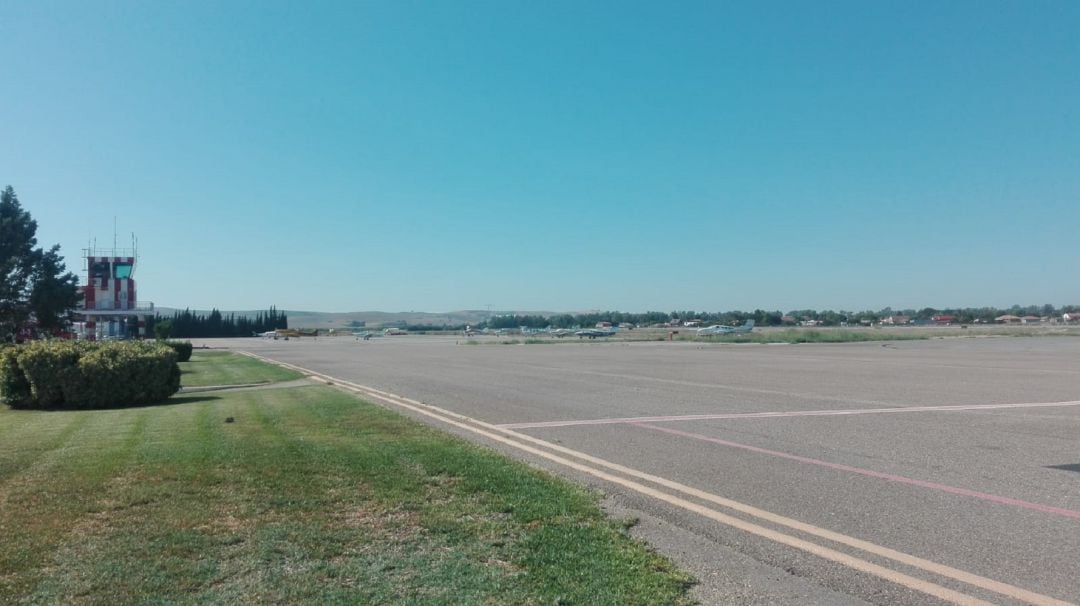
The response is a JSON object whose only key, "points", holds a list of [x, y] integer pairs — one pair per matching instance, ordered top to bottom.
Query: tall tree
{"points": [[17, 243], [31, 280], [54, 291]]}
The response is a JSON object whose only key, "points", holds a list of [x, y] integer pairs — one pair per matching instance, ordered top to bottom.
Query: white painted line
{"points": [[712, 386], [786, 413], [515, 439], [890, 477]]}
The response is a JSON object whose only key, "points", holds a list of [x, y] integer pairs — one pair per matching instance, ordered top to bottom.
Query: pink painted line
{"points": [[790, 413], [873, 474]]}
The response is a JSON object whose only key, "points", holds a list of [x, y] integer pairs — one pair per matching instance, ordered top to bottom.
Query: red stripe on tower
{"points": [[98, 282]]}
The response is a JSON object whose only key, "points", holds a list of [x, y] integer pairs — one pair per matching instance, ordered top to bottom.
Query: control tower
{"points": [[109, 301]]}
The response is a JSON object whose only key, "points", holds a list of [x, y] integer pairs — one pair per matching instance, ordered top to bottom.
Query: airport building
{"points": [[109, 302]]}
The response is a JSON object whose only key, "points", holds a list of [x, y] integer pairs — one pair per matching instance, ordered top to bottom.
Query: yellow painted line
{"points": [[492, 432]]}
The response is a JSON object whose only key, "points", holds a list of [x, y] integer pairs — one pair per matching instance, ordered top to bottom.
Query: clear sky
{"points": [[439, 155]]}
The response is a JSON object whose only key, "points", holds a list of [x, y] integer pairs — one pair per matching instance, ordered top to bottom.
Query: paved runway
{"points": [[944, 471]]}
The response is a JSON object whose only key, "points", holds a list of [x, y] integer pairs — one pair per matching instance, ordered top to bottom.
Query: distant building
{"points": [[1070, 316], [943, 319], [1007, 319], [789, 320], [896, 320], [1030, 320]]}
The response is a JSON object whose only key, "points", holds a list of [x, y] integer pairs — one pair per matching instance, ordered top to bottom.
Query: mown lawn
{"points": [[226, 368], [309, 496]]}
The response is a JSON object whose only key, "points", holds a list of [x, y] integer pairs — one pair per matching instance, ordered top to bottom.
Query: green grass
{"points": [[225, 368], [310, 496]]}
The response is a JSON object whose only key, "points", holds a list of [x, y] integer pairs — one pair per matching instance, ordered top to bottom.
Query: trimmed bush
{"points": [[182, 349], [47, 365], [77, 374], [123, 374], [14, 388]]}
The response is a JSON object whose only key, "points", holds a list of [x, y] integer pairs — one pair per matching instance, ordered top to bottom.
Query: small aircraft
{"points": [[721, 329], [393, 332], [561, 332], [278, 333], [595, 333], [365, 335]]}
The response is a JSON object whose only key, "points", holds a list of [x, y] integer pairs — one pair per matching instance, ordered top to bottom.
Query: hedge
{"points": [[182, 349], [48, 366], [79, 374], [14, 388]]}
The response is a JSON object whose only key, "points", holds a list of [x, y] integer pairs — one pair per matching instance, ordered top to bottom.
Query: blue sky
{"points": [[556, 155]]}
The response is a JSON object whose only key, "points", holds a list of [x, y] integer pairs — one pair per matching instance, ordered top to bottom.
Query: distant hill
{"points": [[372, 319]]}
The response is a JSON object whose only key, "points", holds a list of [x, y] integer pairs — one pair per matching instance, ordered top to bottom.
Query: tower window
{"points": [[99, 269]]}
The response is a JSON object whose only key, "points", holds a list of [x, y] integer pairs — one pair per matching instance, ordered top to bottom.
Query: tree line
{"points": [[966, 315], [190, 325]]}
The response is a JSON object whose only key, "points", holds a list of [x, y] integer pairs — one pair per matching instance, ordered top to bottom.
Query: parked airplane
{"points": [[721, 329], [281, 332], [391, 332], [562, 332], [594, 333], [365, 335]]}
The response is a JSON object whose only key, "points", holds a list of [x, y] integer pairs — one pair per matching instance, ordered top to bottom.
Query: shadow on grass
{"points": [[178, 400], [172, 401]]}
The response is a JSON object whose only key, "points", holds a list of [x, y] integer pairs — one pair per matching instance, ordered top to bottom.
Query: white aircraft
{"points": [[721, 329], [562, 332], [596, 333], [365, 335]]}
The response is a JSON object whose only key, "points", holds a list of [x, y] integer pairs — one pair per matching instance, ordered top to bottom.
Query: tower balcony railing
{"points": [[121, 306]]}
